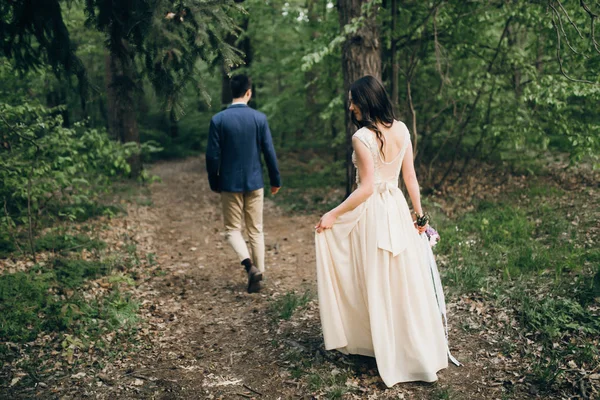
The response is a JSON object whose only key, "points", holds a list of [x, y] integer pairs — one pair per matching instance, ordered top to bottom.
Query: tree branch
{"points": [[568, 17], [593, 18], [563, 29], [409, 38], [438, 52], [560, 63], [474, 104], [488, 117], [14, 130]]}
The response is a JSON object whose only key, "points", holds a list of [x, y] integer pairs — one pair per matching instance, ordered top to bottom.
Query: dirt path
{"points": [[209, 339]]}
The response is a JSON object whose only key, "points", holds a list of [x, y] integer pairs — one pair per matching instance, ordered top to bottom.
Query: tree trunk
{"points": [[514, 36], [360, 56], [394, 57], [225, 89], [111, 98], [122, 113], [173, 124]]}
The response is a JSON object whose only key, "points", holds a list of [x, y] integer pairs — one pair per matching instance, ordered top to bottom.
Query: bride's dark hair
{"points": [[373, 102]]}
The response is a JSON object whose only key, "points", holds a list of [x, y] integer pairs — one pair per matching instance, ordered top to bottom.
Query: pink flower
{"points": [[432, 235]]}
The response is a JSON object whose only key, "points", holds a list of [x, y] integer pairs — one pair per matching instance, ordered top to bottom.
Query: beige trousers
{"points": [[247, 207]]}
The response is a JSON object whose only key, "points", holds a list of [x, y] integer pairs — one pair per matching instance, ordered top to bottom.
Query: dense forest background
{"points": [[94, 92]]}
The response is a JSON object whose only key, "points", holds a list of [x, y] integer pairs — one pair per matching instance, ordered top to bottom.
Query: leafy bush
{"points": [[49, 171]]}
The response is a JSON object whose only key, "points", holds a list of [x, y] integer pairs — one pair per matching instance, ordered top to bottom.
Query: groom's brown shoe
{"points": [[254, 278]]}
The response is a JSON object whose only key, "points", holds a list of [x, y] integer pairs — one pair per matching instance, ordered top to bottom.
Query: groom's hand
{"points": [[275, 189]]}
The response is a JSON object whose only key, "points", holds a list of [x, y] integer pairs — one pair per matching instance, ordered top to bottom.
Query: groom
{"points": [[237, 137]]}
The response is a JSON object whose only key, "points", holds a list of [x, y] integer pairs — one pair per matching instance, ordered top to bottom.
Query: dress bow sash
{"points": [[390, 236]]}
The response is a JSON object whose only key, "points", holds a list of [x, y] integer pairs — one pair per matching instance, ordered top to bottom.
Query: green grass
{"points": [[511, 240], [55, 241], [58, 242], [528, 250], [72, 273], [22, 298], [47, 299], [51, 305], [284, 307], [555, 317], [326, 379], [333, 386], [442, 394]]}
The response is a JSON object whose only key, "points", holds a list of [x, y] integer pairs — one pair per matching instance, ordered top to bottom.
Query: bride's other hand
{"points": [[326, 222], [421, 229]]}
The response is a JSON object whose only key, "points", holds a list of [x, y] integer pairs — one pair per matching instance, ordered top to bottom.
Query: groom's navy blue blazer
{"points": [[237, 137]]}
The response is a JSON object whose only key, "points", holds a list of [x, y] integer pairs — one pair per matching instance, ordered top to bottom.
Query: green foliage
{"points": [[191, 33], [169, 38], [34, 39], [491, 73], [486, 81], [297, 99], [50, 171], [517, 237], [57, 242], [528, 252], [71, 273], [22, 297], [47, 299], [284, 307], [556, 317], [564, 331], [333, 386]]}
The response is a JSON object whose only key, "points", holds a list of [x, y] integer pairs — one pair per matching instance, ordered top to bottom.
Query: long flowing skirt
{"points": [[376, 294]]}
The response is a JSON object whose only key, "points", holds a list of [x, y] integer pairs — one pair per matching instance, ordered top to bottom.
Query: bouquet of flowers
{"points": [[432, 235]]}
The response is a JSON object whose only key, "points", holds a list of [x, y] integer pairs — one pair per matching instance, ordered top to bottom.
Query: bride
{"points": [[375, 287]]}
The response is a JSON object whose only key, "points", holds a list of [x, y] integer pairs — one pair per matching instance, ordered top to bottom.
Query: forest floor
{"points": [[204, 337]]}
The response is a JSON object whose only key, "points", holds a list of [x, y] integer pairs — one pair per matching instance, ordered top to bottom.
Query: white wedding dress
{"points": [[375, 286]]}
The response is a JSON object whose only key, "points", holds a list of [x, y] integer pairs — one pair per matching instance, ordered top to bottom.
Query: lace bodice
{"points": [[385, 172]]}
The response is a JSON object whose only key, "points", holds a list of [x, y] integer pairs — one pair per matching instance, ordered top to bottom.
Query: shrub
{"points": [[49, 171]]}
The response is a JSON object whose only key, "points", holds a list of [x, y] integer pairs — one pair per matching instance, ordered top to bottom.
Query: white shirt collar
{"points": [[238, 102]]}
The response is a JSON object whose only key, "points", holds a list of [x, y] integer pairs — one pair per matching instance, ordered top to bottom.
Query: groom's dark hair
{"points": [[239, 85]]}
